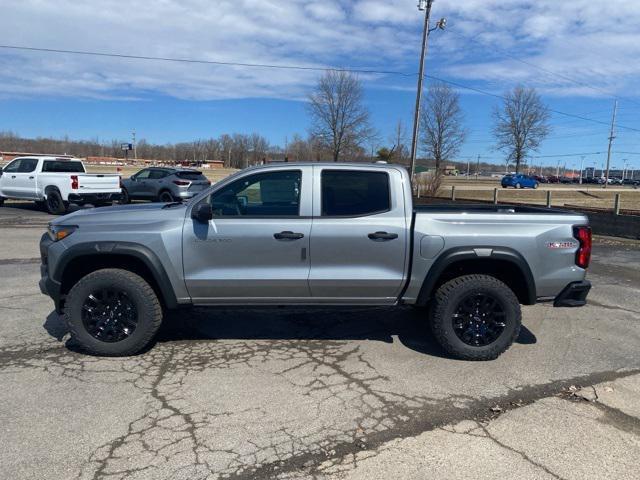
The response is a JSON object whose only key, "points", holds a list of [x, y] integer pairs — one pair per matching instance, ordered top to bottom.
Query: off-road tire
{"points": [[54, 203], [146, 301], [446, 302]]}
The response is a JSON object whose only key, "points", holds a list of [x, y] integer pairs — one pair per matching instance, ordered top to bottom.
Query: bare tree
{"points": [[339, 118], [442, 124], [521, 124], [400, 151]]}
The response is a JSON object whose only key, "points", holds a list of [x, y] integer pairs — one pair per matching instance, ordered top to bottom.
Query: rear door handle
{"points": [[31, 178], [288, 236], [382, 236]]}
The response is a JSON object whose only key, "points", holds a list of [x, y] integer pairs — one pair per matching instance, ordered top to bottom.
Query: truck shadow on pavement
{"points": [[380, 324]]}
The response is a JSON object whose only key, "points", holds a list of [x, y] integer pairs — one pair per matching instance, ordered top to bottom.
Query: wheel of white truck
{"points": [[124, 198], [54, 203], [113, 312], [475, 317]]}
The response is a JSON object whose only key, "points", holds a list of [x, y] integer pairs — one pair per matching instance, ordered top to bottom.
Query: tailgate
{"points": [[99, 182]]}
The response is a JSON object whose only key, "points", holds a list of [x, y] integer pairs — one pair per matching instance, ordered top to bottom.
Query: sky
{"points": [[581, 55]]}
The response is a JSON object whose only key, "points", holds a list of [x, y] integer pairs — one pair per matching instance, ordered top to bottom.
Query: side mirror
{"points": [[202, 212]]}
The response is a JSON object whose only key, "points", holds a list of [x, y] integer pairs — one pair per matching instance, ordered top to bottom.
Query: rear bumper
{"points": [[94, 197], [573, 295]]}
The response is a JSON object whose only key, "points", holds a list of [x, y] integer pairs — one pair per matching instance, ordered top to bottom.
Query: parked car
{"points": [[540, 179], [519, 180], [615, 181], [631, 181], [56, 182], [163, 184], [313, 234]]}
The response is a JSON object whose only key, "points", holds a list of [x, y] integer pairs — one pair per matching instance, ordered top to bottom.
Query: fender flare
{"points": [[140, 252], [453, 255]]}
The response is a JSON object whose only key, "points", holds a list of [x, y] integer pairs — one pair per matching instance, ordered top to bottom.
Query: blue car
{"points": [[519, 181]]}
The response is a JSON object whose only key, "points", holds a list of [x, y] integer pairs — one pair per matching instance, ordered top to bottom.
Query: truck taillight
{"points": [[74, 182], [181, 183], [583, 255]]}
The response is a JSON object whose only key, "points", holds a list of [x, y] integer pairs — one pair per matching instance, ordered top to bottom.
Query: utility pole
{"points": [[426, 6], [611, 138], [477, 167], [581, 168], [468, 171]]}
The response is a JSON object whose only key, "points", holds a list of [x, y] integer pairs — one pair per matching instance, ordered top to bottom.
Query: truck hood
{"points": [[123, 214]]}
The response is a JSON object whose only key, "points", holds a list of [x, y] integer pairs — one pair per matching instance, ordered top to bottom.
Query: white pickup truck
{"points": [[56, 182]]}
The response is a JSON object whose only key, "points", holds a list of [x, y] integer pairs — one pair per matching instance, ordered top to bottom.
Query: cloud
{"points": [[576, 39]]}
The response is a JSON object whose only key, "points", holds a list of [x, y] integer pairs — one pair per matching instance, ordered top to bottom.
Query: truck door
{"points": [[19, 178], [8, 183], [359, 239], [255, 250]]}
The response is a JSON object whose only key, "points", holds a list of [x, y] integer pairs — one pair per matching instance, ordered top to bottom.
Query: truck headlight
{"points": [[58, 232]]}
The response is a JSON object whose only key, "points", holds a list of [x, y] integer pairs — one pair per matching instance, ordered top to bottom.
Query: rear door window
{"points": [[28, 165], [62, 166], [157, 174], [351, 193]]}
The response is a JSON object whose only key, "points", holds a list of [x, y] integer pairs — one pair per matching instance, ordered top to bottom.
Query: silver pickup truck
{"points": [[313, 234]]}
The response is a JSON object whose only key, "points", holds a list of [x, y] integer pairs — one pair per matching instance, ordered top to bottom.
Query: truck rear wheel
{"points": [[54, 203], [113, 312], [475, 317]]}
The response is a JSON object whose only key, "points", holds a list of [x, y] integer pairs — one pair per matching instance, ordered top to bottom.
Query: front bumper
{"points": [[94, 197], [48, 286], [573, 295]]}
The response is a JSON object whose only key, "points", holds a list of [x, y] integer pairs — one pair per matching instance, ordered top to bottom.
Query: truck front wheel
{"points": [[112, 312], [475, 317]]}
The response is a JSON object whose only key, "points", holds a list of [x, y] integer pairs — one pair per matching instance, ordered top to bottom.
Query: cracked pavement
{"points": [[319, 393]]}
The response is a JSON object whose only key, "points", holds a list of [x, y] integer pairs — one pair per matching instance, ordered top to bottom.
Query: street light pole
{"points": [[416, 118], [581, 168]]}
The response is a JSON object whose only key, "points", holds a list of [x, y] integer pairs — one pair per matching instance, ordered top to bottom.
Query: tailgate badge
{"points": [[561, 245]]}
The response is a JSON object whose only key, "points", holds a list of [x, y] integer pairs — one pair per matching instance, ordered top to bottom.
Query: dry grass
{"points": [[595, 197]]}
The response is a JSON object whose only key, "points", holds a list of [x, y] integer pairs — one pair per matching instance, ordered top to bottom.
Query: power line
{"points": [[206, 62], [285, 67], [543, 69], [502, 97]]}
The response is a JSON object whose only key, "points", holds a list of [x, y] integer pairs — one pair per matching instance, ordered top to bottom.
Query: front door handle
{"points": [[13, 176], [31, 178], [288, 236], [382, 236]]}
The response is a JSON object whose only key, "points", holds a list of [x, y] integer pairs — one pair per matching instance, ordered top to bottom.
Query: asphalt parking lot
{"points": [[294, 393]]}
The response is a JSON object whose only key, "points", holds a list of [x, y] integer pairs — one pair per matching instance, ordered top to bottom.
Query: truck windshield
{"points": [[62, 166]]}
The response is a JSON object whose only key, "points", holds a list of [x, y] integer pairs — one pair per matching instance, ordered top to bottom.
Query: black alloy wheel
{"points": [[109, 315], [479, 319]]}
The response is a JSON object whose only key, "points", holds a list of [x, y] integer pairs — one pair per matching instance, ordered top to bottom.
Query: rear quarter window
{"points": [[193, 176]]}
